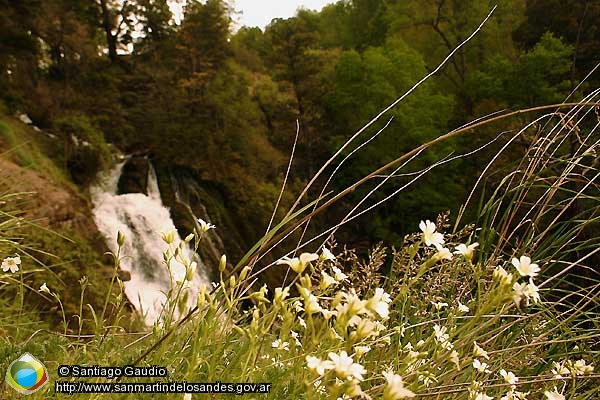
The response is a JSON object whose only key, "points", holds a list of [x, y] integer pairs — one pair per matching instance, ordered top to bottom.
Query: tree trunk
{"points": [[111, 39]]}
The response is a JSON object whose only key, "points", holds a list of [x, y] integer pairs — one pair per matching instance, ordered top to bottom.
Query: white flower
{"points": [[205, 226], [430, 236], [466, 251], [443, 253], [326, 254], [11, 263], [298, 264], [525, 266], [338, 274], [503, 276], [327, 280], [44, 289], [527, 291], [531, 291], [519, 293], [280, 295], [379, 303], [297, 304], [311, 305], [353, 305], [439, 305], [462, 307], [327, 314], [301, 322], [365, 328], [440, 333], [442, 337], [296, 338], [279, 345], [361, 350], [479, 352], [412, 356], [455, 360], [318, 365], [345, 367], [481, 367], [581, 368], [560, 370], [509, 377], [427, 381], [395, 387], [515, 395], [554, 395], [187, 396], [482, 396]]}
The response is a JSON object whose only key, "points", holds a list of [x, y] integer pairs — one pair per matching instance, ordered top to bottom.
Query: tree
{"points": [[156, 18], [576, 22], [118, 24], [437, 27], [66, 31], [204, 36], [18, 47], [296, 59], [539, 76], [364, 83]]}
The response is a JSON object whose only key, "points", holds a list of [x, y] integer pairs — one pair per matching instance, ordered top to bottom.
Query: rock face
{"points": [[134, 177], [189, 197], [47, 203]]}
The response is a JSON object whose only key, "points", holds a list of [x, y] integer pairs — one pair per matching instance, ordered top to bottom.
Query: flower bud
{"points": [[169, 236], [120, 238], [222, 263], [189, 272], [245, 272], [201, 297]]}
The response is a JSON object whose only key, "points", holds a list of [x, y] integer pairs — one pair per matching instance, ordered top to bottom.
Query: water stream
{"points": [[142, 218]]}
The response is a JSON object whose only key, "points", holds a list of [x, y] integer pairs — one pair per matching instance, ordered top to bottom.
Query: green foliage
{"points": [[576, 23], [203, 36], [540, 75], [10, 141], [30, 149], [86, 152]]}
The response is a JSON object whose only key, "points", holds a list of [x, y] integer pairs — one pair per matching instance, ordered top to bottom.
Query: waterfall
{"points": [[142, 218]]}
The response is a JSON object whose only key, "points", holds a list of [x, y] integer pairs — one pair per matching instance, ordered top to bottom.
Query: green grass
{"points": [[32, 149]]}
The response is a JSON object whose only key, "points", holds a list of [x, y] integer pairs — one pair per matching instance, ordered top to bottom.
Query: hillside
{"points": [[55, 229]]}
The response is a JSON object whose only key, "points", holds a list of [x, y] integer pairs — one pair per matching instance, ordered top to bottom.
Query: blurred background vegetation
{"points": [[219, 105]]}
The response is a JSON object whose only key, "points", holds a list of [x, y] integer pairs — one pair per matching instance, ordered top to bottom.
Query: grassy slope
{"points": [[46, 219]]}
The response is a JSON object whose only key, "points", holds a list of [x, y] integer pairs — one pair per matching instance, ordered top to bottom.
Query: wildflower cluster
{"points": [[522, 292], [346, 319], [390, 339]]}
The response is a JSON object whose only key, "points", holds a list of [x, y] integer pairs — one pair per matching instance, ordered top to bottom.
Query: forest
{"points": [[224, 104], [340, 133]]}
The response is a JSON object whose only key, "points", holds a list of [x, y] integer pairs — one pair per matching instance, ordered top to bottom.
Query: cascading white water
{"points": [[142, 218]]}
